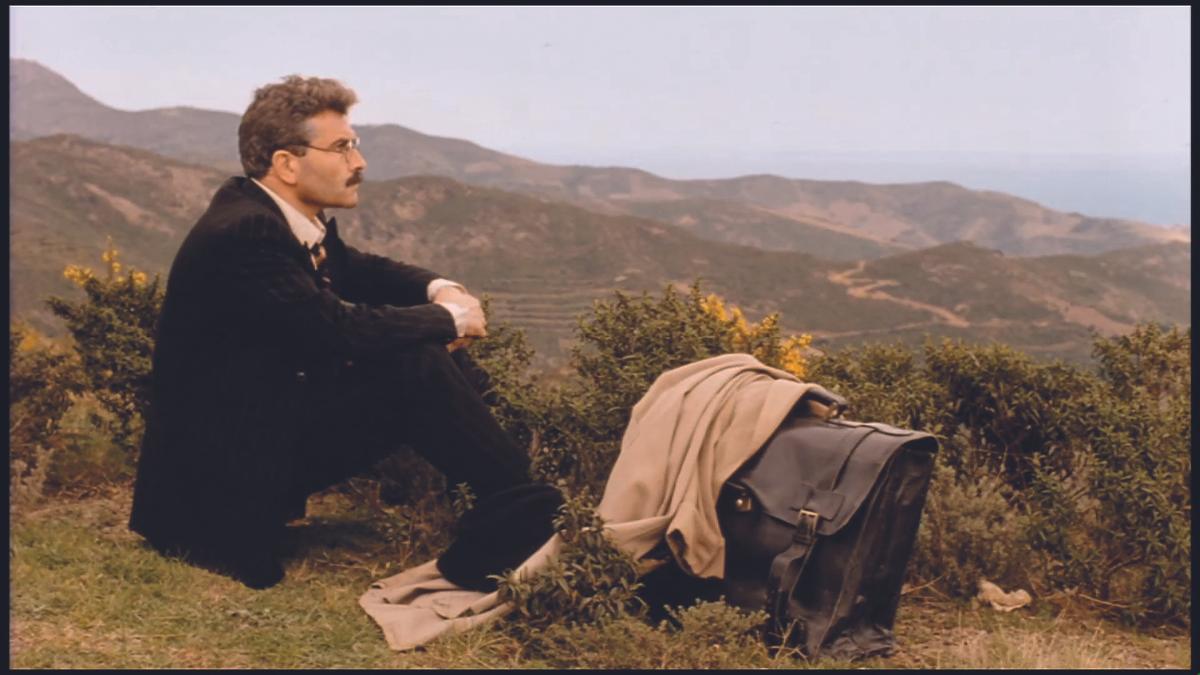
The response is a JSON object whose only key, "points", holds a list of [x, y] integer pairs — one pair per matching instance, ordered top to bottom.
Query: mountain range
{"points": [[840, 220], [845, 261], [544, 262]]}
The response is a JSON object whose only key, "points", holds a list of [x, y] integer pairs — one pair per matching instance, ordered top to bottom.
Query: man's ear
{"points": [[285, 166]]}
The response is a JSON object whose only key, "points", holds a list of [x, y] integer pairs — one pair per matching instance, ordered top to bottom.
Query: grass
{"points": [[87, 593]]}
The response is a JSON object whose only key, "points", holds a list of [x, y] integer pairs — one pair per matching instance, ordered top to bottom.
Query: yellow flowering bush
{"points": [[82, 276], [113, 330], [762, 339]]}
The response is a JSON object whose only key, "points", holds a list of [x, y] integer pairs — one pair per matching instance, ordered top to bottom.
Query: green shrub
{"points": [[113, 329], [623, 345], [1149, 362], [44, 381], [886, 383], [1016, 409], [573, 427], [89, 458], [1087, 473], [1084, 474], [1119, 524], [970, 531], [582, 610], [706, 635]]}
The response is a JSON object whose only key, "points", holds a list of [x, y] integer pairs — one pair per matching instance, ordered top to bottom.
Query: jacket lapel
{"points": [[247, 188]]}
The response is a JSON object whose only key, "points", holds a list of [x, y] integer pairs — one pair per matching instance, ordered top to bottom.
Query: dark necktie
{"points": [[317, 251], [319, 257]]}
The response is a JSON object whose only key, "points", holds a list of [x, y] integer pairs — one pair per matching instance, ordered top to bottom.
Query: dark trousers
{"points": [[424, 397]]}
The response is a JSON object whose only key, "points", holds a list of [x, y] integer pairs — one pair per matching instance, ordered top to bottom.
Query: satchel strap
{"points": [[787, 567]]}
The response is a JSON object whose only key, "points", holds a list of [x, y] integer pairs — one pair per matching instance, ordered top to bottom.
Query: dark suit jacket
{"points": [[247, 329]]}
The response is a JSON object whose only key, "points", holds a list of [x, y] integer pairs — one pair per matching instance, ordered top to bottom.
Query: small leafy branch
{"points": [[591, 582]]}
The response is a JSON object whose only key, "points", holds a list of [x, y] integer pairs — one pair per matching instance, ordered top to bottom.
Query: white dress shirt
{"points": [[311, 231]]}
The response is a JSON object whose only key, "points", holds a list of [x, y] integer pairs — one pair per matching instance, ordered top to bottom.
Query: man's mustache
{"points": [[355, 179]]}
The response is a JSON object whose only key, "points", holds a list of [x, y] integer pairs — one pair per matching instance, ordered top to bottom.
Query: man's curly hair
{"points": [[277, 117]]}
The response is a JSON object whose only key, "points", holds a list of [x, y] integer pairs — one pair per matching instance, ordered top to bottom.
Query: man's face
{"points": [[327, 179]]}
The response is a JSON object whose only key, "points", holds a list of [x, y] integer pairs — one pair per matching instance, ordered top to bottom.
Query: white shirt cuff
{"points": [[436, 285], [460, 316]]}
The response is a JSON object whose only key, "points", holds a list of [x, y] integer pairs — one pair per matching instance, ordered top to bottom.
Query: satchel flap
{"points": [[827, 466], [825, 502]]}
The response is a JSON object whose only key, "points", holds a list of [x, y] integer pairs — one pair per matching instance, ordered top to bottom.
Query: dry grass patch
{"points": [[937, 633]]}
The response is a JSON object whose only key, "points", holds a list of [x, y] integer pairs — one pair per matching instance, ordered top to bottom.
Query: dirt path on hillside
{"points": [[869, 289], [1088, 317], [871, 331]]}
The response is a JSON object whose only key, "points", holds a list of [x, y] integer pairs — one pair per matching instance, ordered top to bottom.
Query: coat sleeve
{"points": [[377, 280], [267, 283]]}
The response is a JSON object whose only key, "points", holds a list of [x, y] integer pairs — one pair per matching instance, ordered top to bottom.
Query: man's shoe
{"points": [[499, 533]]}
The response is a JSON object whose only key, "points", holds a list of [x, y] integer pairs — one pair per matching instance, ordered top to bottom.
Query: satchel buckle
{"points": [[806, 526]]}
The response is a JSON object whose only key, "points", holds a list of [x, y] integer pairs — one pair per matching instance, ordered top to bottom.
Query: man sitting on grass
{"points": [[287, 361]]}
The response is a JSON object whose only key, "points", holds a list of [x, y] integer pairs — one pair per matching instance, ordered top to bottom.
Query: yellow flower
{"points": [[109, 256], [78, 275], [139, 278], [714, 306], [739, 321], [740, 334], [30, 342], [798, 342], [793, 360], [794, 364]]}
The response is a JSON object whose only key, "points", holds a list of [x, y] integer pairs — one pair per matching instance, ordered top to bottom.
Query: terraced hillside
{"points": [[545, 262], [546, 311]]}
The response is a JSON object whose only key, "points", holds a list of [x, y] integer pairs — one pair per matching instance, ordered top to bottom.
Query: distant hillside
{"points": [[42, 103], [68, 194], [842, 220], [545, 262], [1046, 304]]}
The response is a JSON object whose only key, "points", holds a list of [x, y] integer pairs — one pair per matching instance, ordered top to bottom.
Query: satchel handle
{"points": [[836, 404]]}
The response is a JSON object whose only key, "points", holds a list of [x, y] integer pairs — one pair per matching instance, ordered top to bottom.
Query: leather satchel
{"points": [[819, 525]]}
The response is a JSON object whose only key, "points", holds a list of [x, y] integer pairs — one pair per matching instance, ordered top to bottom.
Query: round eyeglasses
{"points": [[343, 147]]}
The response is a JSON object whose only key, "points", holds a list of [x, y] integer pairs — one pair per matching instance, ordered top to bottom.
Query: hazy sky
{"points": [[1054, 80], [698, 91]]}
